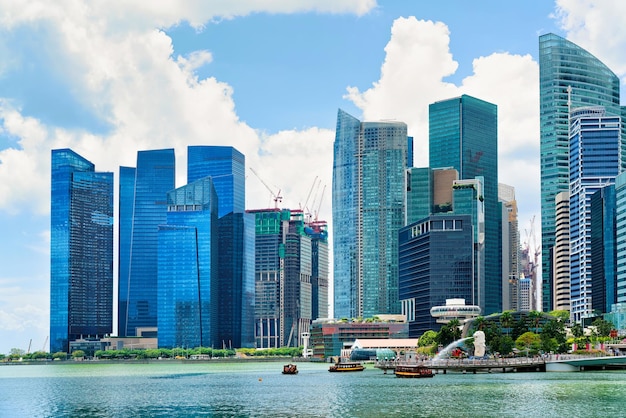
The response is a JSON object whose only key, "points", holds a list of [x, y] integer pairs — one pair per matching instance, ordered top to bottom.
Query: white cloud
{"points": [[598, 27], [412, 77]]}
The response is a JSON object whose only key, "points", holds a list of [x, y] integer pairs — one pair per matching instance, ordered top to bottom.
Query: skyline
{"points": [[101, 80]]}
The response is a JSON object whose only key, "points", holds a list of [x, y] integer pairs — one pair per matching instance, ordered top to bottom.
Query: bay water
{"points": [[259, 389]]}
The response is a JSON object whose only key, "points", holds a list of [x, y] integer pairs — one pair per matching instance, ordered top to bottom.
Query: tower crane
{"points": [[276, 196]]}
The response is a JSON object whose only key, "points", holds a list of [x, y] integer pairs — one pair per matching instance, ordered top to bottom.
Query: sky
{"points": [[109, 78]]}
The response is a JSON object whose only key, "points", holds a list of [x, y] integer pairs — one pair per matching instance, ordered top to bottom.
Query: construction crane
{"points": [[276, 196], [319, 205], [305, 208], [533, 251]]}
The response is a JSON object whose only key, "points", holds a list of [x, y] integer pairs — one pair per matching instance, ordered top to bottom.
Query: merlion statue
{"points": [[479, 344]]}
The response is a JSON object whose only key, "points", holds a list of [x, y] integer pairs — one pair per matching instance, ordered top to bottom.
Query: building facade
{"points": [[565, 66], [463, 134], [595, 151], [369, 170], [142, 208], [510, 226], [620, 231], [603, 250], [81, 251], [436, 264], [187, 268], [235, 277], [561, 286]]}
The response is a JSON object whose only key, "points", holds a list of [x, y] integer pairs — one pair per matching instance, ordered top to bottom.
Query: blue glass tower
{"points": [[564, 65], [463, 134], [594, 162], [369, 183], [142, 207], [620, 231], [81, 250], [603, 250], [436, 263], [187, 265], [235, 278]]}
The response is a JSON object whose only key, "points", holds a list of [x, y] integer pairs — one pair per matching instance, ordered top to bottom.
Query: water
{"points": [[445, 352], [169, 389]]}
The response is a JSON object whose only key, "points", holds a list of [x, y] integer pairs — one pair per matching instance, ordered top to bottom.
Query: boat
{"points": [[346, 367], [290, 369], [413, 370]]}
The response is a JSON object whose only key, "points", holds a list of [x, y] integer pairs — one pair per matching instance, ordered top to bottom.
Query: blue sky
{"points": [[110, 78]]}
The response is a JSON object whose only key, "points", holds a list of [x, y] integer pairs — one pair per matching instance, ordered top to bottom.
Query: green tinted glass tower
{"points": [[565, 66], [463, 134]]}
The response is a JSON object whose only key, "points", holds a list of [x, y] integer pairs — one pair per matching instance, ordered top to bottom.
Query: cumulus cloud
{"points": [[598, 27], [418, 59]]}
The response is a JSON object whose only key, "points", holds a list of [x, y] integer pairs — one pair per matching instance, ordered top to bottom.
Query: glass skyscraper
{"points": [[565, 66], [463, 134], [594, 162], [369, 200], [142, 208], [620, 231], [81, 251], [187, 268], [235, 278]]}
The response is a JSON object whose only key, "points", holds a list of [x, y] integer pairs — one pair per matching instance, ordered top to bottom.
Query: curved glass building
{"points": [[563, 67]]}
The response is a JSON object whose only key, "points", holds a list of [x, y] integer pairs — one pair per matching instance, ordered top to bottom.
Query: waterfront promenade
{"points": [[561, 363]]}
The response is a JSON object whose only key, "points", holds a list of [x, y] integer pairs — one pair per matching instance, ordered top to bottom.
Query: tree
{"points": [[560, 314], [534, 317], [505, 320], [603, 327], [577, 330], [428, 338], [529, 342], [78, 354]]}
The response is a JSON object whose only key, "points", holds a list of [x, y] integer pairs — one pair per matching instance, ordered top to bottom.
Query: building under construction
{"points": [[291, 276]]}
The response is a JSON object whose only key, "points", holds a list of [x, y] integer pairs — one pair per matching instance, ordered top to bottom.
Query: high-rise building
{"points": [[565, 66], [463, 134], [594, 150], [369, 170], [506, 194], [142, 208], [620, 231], [318, 232], [561, 250], [603, 250], [81, 251], [436, 264], [235, 278], [285, 281], [187, 296]]}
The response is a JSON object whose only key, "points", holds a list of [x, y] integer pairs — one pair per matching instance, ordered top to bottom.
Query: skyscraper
{"points": [[564, 65], [463, 134], [594, 162], [369, 170], [506, 194], [143, 207], [620, 231], [81, 250], [561, 250], [603, 250], [187, 268], [235, 270]]}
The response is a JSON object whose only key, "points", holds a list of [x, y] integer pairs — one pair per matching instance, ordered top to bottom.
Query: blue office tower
{"points": [[565, 66], [463, 134], [594, 162], [226, 167], [369, 184], [142, 207], [620, 231], [603, 249], [81, 251], [187, 264], [436, 264]]}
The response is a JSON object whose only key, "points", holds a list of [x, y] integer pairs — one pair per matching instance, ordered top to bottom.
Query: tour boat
{"points": [[346, 367], [290, 369], [413, 370]]}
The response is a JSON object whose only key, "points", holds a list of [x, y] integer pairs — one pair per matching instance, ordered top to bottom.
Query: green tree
{"points": [[560, 314], [535, 317], [506, 319], [603, 327], [577, 330], [428, 338], [528, 342], [78, 354], [60, 355]]}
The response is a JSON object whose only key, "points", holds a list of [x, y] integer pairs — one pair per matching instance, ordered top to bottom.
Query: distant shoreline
{"points": [[150, 361]]}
